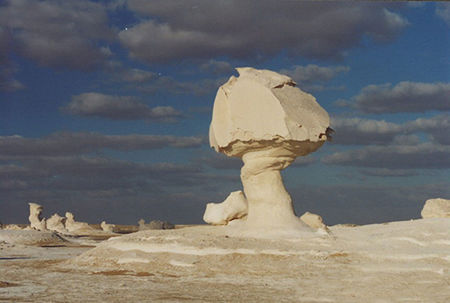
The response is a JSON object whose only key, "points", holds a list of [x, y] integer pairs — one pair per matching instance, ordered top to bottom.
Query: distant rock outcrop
{"points": [[436, 208], [155, 224]]}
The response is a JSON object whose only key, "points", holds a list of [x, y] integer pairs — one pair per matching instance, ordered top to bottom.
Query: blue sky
{"points": [[105, 105]]}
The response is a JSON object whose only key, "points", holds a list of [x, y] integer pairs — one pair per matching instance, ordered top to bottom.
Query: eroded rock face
{"points": [[263, 118], [233, 207], [436, 208], [35, 218], [57, 223]]}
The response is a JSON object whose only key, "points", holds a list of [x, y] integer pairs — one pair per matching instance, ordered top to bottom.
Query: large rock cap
{"points": [[262, 107]]}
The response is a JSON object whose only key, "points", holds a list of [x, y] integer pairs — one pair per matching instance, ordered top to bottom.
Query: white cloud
{"points": [[207, 29], [58, 33], [403, 97], [118, 108], [359, 131], [74, 143], [419, 156]]}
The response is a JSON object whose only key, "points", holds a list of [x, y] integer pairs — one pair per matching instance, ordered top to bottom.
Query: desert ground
{"points": [[406, 261]]}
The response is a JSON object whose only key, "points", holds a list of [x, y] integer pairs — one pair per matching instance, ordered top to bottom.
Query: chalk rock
{"points": [[263, 108], [263, 118], [233, 207], [436, 208], [35, 218], [313, 220], [56, 223], [73, 226], [107, 227], [31, 237]]}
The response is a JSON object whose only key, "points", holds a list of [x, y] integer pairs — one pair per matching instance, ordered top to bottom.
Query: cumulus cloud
{"points": [[206, 29], [58, 33], [137, 75], [312, 77], [403, 97], [118, 108], [436, 126], [359, 131], [364, 131], [70, 143], [420, 156]]}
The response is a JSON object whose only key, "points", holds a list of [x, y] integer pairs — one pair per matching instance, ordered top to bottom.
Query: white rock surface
{"points": [[264, 119], [233, 207], [436, 208], [35, 218], [313, 220], [56, 223], [30, 237], [405, 261]]}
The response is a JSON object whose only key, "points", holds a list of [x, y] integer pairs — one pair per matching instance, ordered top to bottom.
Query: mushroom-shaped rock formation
{"points": [[263, 118], [234, 207], [36, 220]]}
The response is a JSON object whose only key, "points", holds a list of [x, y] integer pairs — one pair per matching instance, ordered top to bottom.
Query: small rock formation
{"points": [[263, 118], [234, 207], [436, 208], [36, 220], [314, 221], [57, 223], [155, 224], [73, 226], [107, 227]]}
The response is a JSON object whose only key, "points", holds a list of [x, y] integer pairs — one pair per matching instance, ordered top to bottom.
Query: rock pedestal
{"points": [[263, 118]]}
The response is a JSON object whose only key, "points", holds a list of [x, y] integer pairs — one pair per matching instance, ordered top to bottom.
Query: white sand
{"points": [[395, 262]]}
